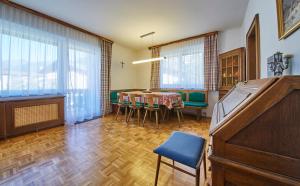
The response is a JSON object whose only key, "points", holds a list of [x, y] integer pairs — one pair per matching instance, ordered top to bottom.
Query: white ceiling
{"points": [[123, 21]]}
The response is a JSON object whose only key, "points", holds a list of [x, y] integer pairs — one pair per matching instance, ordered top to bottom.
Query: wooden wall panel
{"points": [[2, 120], [274, 130]]}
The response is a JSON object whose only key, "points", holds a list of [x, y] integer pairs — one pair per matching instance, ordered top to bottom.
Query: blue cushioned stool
{"points": [[183, 148]]}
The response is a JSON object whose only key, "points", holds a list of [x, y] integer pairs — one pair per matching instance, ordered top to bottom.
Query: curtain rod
{"points": [[37, 13], [185, 39]]}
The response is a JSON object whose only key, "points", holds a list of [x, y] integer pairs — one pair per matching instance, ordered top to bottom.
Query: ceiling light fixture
{"points": [[151, 59], [148, 60]]}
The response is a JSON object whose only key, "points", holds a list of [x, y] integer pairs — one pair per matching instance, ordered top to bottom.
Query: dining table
{"points": [[167, 99]]}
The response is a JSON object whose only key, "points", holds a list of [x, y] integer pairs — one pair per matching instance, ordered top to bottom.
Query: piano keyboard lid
{"points": [[236, 99]]}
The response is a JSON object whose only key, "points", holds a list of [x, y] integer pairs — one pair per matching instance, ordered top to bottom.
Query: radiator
{"points": [[24, 116]]}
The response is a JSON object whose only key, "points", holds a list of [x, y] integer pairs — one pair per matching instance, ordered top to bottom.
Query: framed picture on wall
{"points": [[288, 14]]}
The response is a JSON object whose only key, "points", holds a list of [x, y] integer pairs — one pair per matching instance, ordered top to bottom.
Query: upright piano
{"points": [[255, 134]]}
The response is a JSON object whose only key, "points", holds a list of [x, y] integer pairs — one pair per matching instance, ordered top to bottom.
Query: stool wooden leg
{"points": [[145, 117], [204, 165], [157, 169], [197, 176]]}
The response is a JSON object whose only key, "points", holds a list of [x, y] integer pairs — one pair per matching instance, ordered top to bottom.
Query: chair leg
{"points": [[119, 107], [126, 111], [165, 113], [168, 114], [198, 114], [129, 115], [162, 115], [181, 115], [139, 116], [178, 116], [145, 117], [156, 118], [204, 165], [157, 170], [197, 176]]}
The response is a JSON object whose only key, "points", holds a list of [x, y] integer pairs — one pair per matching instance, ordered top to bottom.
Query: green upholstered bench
{"points": [[193, 99], [196, 101]]}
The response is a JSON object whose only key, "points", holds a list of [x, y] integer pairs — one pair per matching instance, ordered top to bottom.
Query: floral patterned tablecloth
{"points": [[168, 99]]}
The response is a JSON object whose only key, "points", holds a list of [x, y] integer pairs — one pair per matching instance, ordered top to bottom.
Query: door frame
{"points": [[256, 29]]}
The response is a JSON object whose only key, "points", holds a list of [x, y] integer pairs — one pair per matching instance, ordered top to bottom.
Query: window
{"points": [[40, 57], [28, 65], [183, 66]]}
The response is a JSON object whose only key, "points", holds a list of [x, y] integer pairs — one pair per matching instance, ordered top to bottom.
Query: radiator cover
{"points": [[26, 114]]}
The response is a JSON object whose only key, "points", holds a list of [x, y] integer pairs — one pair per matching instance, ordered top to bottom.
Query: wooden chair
{"points": [[122, 103], [135, 106], [151, 106], [178, 107], [186, 149]]}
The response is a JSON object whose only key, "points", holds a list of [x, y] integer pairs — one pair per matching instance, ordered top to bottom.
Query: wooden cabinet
{"points": [[232, 69], [255, 133]]}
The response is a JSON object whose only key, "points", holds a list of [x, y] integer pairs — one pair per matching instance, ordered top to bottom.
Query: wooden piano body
{"points": [[255, 134]]}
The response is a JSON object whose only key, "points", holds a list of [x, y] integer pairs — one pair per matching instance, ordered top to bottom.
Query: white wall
{"points": [[230, 39], [269, 42], [143, 71], [123, 78]]}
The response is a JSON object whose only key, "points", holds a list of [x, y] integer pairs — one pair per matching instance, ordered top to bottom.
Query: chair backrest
{"points": [[188, 94], [113, 95], [183, 95], [123, 97], [133, 99], [151, 100], [177, 101]]}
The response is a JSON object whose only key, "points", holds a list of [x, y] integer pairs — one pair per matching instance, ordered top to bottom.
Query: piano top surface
{"points": [[237, 99]]}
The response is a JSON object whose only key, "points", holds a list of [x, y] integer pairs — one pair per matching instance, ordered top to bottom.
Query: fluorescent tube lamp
{"points": [[148, 60]]}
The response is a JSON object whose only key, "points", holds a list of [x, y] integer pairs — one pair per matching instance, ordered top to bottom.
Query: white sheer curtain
{"points": [[40, 57], [183, 66], [83, 82]]}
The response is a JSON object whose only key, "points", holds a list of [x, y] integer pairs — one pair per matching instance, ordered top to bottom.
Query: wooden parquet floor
{"points": [[98, 152]]}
